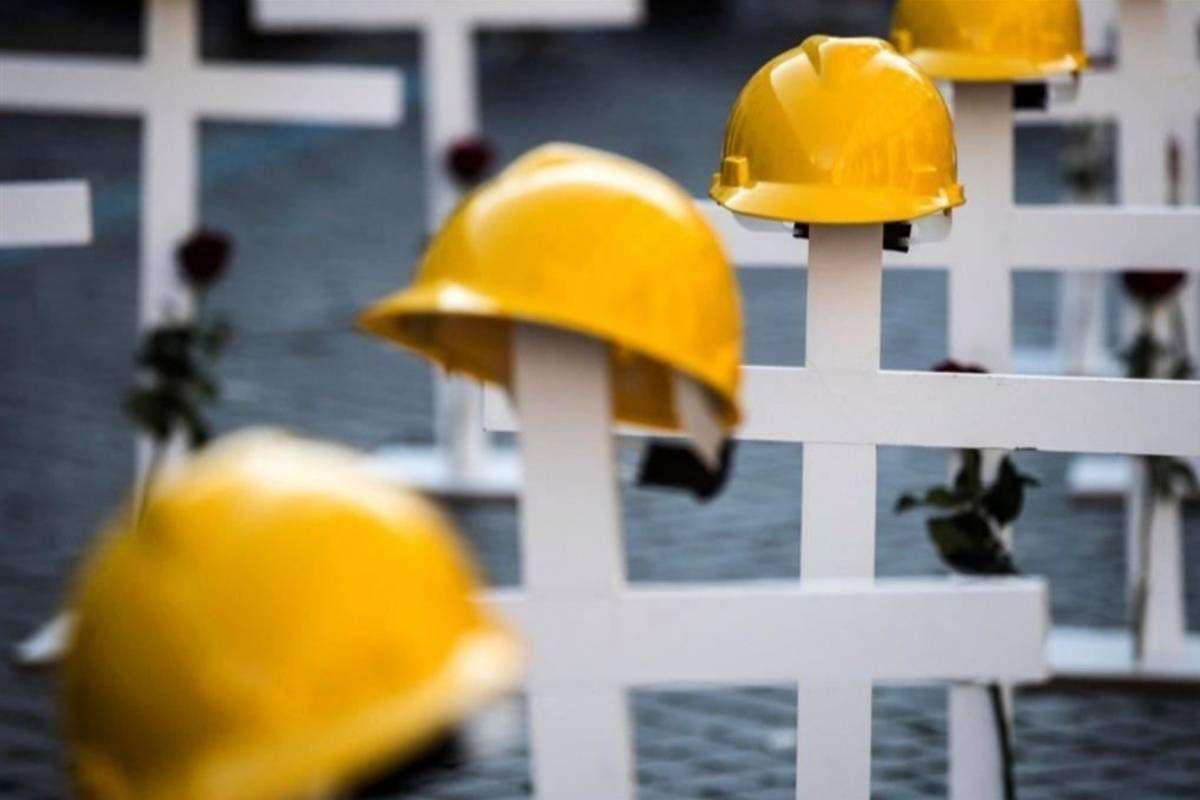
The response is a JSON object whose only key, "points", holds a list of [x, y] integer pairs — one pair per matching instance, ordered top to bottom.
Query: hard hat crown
{"points": [[998, 40], [838, 131], [591, 243], [278, 621]]}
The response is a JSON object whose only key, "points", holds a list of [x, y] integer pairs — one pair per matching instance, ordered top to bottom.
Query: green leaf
{"points": [[1141, 355], [1181, 370], [150, 410], [1006, 496], [941, 497], [906, 502], [967, 543]]}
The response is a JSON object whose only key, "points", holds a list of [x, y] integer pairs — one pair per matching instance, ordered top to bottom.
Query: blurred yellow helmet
{"points": [[991, 40], [839, 131], [591, 243], [279, 623]]}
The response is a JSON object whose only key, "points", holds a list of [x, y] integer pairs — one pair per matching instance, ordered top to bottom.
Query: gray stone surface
{"points": [[328, 219]]}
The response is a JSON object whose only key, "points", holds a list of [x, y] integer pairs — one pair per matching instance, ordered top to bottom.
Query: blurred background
{"points": [[327, 219]]}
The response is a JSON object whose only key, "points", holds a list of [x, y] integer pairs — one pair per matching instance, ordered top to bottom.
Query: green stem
{"points": [[157, 453], [1142, 580], [1003, 740]]}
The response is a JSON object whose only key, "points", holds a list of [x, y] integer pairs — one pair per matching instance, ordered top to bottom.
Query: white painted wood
{"points": [[371, 15], [45, 213], [1039, 237], [845, 296], [980, 304], [980, 332], [921, 409], [572, 563], [905, 630], [1106, 655], [976, 760]]}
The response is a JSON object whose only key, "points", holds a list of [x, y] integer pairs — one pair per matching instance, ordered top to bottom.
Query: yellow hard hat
{"points": [[991, 40], [839, 131], [587, 242], [278, 623]]}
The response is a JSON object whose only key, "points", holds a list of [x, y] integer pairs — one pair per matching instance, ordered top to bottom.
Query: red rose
{"points": [[469, 159], [203, 257], [1152, 287]]}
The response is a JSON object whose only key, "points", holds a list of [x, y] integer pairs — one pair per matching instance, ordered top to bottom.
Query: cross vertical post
{"points": [[448, 67], [1142, 178], [845, 280], [980, 331], [572, 560]]}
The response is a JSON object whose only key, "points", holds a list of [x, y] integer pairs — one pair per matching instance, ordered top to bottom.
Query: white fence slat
{"points": [[370, 15], [45, 213], [1039, 237], [844, 318], [980, 331], [921, 409], [570, 551], [904, 630], [975, 765]]}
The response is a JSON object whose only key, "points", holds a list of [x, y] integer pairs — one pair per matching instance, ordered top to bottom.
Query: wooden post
{"points": [[845, 279], [572, 560]]}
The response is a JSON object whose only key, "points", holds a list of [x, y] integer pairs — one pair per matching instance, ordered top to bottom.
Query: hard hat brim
{"points": [[952, 65], [831, 205], [471, 333]]}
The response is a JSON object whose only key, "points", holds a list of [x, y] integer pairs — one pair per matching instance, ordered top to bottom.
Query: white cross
{"points": [[172, 89], [45, 214], [992, 239], [462, 462]]}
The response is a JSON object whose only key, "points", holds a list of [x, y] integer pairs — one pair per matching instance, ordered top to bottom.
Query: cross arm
{"points": [[382, 14], [80, 85], [348, 95], [45, 214], [1106, 237], [923, 409], [925, 629]]}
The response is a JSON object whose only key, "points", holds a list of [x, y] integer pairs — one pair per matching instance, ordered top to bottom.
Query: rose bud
{"points": [[469, 159], [203, 257], [1152, 287], [950, 365]]}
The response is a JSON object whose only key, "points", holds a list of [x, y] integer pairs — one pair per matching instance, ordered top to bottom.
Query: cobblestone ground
{"points": [[327, 220]]}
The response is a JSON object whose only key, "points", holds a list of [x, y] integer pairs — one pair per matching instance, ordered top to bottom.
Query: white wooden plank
{"points": [[369, 15], [75, 84], [334, 95], [45, 214], [1040, 237], [1113, 238], [981, 305], [844, 318], [921, 409], [571, 560], [770, 632], [1105, 655], [975, 764]]}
